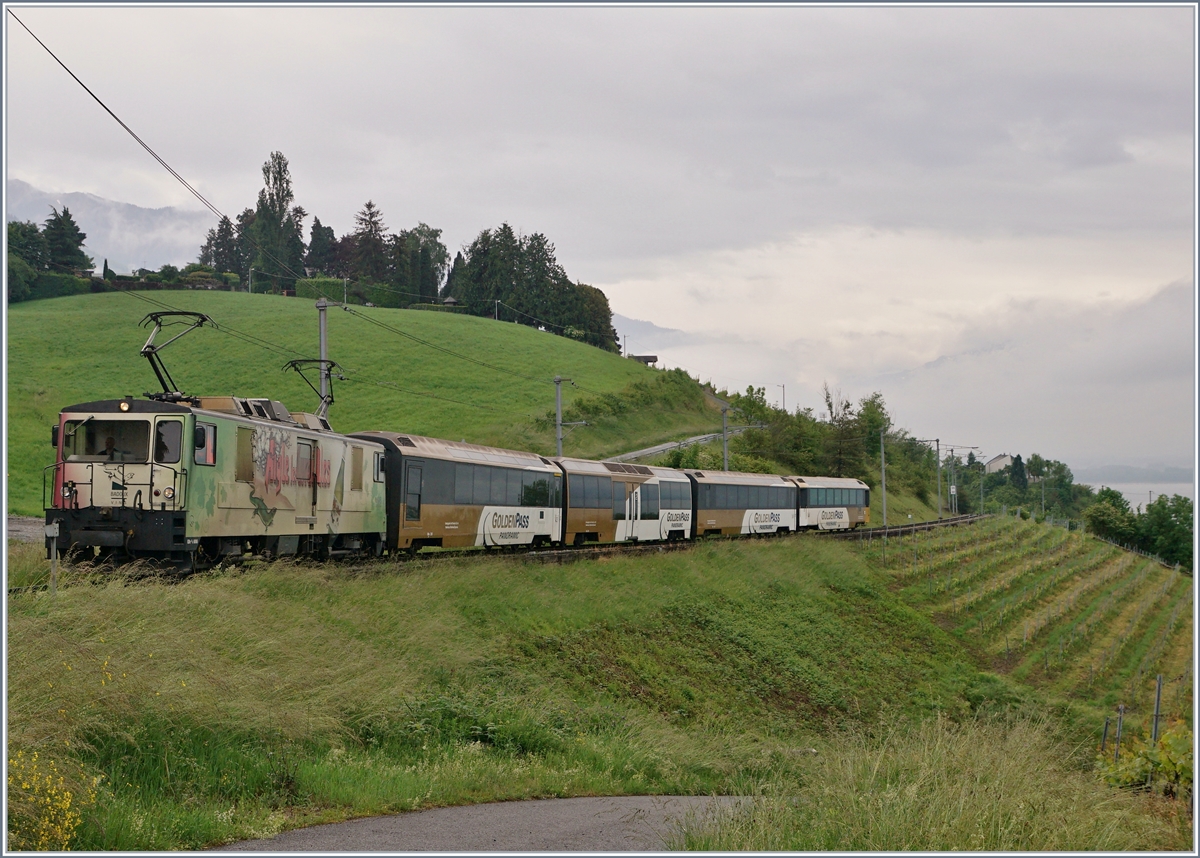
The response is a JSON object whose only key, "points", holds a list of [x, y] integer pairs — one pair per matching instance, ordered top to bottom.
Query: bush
{"points": [[21, 277], [58, 285], [1164, 768], [43, 807]]}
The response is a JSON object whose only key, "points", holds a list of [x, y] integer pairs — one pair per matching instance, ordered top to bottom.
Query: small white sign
{"points": [[954, 490], [52, 530]]}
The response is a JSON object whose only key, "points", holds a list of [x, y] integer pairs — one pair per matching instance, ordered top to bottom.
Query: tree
{"points": [[278, 229], [28, 242], [65, 242], [245, 243], [322, 248], [370, 254], [225, 255], [108, 274], [873, 421], [844, 448], [1017, 476], [1110, 522], [1165, 529]]}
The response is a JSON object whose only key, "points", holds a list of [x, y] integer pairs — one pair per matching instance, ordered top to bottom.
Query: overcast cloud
{"points": [[986, 213]]}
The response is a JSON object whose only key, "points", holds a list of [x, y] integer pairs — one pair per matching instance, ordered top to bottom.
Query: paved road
{"points": [[671, 445], [617, 824]]}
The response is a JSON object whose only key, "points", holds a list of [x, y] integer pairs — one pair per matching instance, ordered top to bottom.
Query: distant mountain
{"points": [[128, 236], [1133, 474]]}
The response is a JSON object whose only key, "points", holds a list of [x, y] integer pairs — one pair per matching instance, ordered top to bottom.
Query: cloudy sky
{"points": [[988, 214]]}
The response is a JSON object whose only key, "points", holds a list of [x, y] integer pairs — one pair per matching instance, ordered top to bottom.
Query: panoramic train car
{"points": [[217, 477], [457, 495], [727, 503], [833, 503], [646, 504]]}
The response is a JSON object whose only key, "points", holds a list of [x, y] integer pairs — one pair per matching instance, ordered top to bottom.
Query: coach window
{"points": [[168, 437], [206, 444], [356, 469], [618, 500], [649, 505]]}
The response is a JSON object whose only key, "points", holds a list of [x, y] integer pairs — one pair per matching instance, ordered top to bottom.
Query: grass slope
{"points": [[68, 350], [240, 703]]}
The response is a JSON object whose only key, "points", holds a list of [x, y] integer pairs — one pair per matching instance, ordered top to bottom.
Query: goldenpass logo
{"points": [[502, 521]]}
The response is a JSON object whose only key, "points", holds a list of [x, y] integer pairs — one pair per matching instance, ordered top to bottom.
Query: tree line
{"points": [[43, 261], [501, 274], [843, 440]]}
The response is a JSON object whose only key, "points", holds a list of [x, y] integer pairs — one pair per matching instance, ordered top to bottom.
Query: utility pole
{"points": [[251, 281], [345, 288], [321, 305], [496, 316], [783, 387], [725, 434], [938, 441], [883, 478]]}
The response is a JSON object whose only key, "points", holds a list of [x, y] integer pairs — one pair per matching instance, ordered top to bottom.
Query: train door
{"points": [[167, 467], [307, 477], [413, 483], [621, 503], [648, 526]]}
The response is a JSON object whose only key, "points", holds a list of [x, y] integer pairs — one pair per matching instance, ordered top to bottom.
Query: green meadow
{"points": [[64, 351], [851, 692]]}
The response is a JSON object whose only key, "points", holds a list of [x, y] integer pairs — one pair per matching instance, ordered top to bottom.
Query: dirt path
{"points": [[24, 528], [617, 824]]}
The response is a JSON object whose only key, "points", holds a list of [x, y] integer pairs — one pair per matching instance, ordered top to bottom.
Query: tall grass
{"points": [[250, 699], [941, 786]]}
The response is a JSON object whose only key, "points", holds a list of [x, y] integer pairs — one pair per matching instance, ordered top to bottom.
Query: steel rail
{"points": [[572, 554]]}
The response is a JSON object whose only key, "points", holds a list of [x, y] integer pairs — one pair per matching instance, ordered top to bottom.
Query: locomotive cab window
{"points": [[91, 440], [168, 442], [205, 444], [378, 467]]}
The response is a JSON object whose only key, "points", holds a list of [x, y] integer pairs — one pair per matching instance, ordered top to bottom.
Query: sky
{"points": [[988, 214]]}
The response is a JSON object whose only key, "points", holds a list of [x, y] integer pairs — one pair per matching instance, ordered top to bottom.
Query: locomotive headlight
{"points": [[124, 406], [67, 491], [168, 493]]}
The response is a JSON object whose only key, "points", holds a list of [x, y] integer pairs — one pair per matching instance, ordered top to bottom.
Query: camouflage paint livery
{"points": [[222, 476]]}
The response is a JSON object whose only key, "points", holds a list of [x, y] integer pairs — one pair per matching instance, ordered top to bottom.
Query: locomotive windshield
{"points": [[93, 440]]}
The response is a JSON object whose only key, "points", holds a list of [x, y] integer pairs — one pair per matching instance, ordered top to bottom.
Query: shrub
{"points": [[1164, 767], [43, 808]]}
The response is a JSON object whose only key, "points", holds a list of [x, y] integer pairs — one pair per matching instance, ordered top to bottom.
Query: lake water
{"points": [[1138, 494]]}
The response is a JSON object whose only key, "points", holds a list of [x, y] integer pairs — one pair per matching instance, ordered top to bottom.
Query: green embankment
{"points": [[68, 350], [242, 702]]}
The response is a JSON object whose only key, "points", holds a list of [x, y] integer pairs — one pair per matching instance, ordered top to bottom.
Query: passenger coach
{"points": [[457, 495], [728, 503], [833, 503]]}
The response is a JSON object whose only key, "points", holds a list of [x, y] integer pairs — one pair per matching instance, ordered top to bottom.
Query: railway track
{"points": [[904, 529], [587, 552]]}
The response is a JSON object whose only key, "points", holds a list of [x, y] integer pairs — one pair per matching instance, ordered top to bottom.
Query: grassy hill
{"points": [[68, 350], [857, 694]]}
